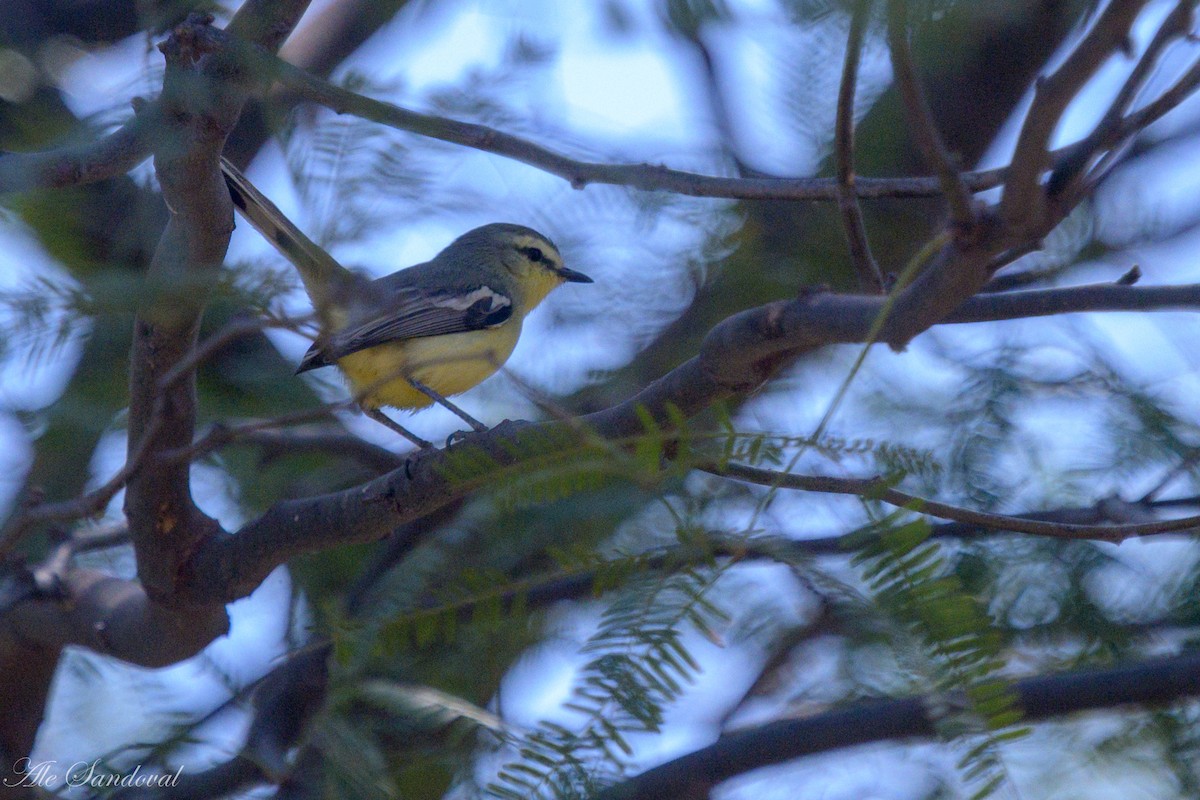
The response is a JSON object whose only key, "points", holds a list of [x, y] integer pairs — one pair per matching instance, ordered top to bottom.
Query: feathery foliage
{"points": [[908, 577], [639, 665]]}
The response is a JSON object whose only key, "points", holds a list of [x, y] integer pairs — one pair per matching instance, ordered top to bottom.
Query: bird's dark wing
{"points": [[414, 313]]}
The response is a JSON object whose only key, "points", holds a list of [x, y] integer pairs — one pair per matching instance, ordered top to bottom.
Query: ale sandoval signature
{"points": [[53, 775]]}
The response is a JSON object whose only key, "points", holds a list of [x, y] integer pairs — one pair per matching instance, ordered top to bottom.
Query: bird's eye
{"points": [[534, 254]]}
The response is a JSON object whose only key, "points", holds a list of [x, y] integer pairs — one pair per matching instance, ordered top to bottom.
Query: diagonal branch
{"points": [[920, 120], [1071, 175], [1023, 199], [869, 276], [737, 357]]}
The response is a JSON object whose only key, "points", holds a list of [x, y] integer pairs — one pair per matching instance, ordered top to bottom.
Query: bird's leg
{"points": [[437, 398], [388, 422]]}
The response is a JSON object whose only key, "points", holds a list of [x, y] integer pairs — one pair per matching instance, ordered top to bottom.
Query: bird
{"points": [[424, 333]]}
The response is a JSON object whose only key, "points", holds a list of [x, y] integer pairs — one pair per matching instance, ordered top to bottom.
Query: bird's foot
{"points": [[455, 438]]}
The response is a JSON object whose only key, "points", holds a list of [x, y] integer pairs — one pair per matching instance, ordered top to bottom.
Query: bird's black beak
{"points": [[571, 276]]}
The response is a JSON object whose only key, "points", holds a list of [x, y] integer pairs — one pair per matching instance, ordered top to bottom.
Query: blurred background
{"points": [[1013, 417]]}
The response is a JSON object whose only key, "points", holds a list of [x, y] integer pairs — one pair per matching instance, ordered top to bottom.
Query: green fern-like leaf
{"points": [[908, 576], [640, 666]]}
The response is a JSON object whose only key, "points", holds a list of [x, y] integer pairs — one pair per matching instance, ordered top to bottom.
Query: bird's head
{"points": [[532, 262]]}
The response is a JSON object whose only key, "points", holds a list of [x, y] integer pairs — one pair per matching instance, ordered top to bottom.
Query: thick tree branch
{"points": [[202, 98], [738, 355], [220, 435], [188, 561], [114, 616], [144, 621], [1152, 683], [291, 693]]}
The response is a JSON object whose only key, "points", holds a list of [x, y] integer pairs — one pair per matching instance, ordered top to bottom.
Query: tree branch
{"points": [[304, 87], [201, 100], [920, 120], [109, 157], [1071, 176], [1024, 199], [869, 276], [1075, 299], [737, 356], [880, 489], [86, 505], [128, 619], [1153, 683]]}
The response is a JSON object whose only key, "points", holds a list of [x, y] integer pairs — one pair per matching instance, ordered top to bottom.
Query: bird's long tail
{"points": [[322, 275]]}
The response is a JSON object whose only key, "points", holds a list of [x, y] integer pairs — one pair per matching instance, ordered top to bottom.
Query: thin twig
{"points": [[1177, 24], [305, 87], [1158, 108], [722, 116], [921, 123], [1118, 138], [1009, 256], [870, 279], [1114, 296], [232, 331], [542, 400], [221, 435], [336, 442], [1185, 465], [880, 489], [1175, 502], [86, 505], [100, 537]]}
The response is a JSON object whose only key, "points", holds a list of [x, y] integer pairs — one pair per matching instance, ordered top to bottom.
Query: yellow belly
{"points": [[448, 364]]}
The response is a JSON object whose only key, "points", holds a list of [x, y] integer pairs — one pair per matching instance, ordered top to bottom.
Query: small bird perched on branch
{"points": [[418, 335]]}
